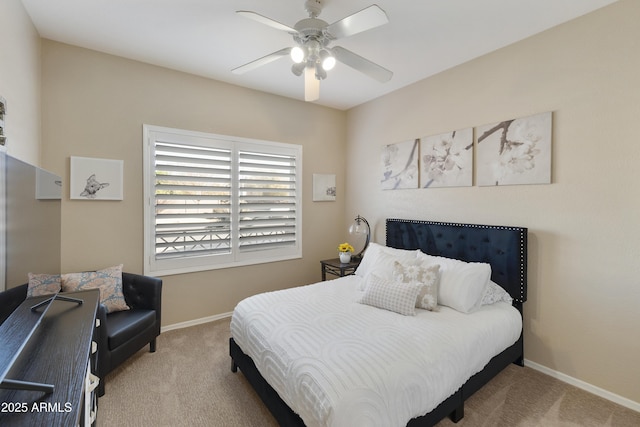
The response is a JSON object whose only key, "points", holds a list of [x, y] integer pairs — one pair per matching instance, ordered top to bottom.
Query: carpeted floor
{"points": [[188, 382]]}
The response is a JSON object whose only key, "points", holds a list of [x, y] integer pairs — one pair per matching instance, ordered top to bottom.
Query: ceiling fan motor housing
{"points": [[311, 28], [311, 37]]}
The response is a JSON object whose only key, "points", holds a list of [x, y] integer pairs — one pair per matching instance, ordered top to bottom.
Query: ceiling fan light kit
{"points": [[311, 53], [297, 54], [327, 59]]}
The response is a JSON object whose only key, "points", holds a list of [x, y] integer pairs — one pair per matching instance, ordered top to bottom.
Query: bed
{"points": [[361, 375]]}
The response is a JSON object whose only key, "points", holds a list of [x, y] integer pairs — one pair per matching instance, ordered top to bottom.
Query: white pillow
{"points": [[379, 259], [426, 276], [462, 284], [495, 293], [392, 296]]}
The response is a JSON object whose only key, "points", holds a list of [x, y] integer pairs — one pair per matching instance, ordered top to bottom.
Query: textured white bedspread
{"points": [[339, 363]]}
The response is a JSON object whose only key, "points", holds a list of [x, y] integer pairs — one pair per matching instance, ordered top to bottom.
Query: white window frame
{"points": [[186, 264]]}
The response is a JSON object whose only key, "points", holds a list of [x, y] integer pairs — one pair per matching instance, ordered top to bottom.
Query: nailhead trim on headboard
{"points": [[520, 247]]}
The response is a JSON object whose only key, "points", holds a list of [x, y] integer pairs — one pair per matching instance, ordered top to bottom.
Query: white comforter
{"points": [[339, 363]]}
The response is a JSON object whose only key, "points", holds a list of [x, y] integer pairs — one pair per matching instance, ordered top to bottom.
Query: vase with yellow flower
{"points": [[344, 251]]}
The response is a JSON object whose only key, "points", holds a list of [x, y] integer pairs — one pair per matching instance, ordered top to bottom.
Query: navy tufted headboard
{"points": [[504, 248]]}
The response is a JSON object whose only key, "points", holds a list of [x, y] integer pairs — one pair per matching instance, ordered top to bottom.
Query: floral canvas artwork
{"points": [[515, 151], [446, 160], [400, 165]]}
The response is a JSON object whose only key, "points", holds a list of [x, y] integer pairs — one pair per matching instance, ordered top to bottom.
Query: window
{"points": [[214, 201]]}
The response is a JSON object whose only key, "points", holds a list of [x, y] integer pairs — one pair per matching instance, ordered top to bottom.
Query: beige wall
{"points": [[20, 81], [94, 105], [582, 317]]}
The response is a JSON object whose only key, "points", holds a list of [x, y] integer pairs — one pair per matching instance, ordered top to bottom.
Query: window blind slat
{"points": [[191, 165], [211, 179], [188, 189], [187, 198], [220, 227]]}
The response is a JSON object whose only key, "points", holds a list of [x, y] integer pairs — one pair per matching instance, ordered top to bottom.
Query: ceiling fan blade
{"points": [[368, 18], [264, 20], [261, 61], [361, 64], [311, 85]]}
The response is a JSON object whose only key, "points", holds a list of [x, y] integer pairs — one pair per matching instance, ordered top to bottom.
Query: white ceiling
{"points": [[207, 38]]}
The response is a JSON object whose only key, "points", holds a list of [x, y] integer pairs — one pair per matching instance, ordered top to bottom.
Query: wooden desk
{"points": [[57, 353]]}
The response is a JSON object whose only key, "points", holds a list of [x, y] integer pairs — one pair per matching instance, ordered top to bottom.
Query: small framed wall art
{"points": [[96, 179], [324, 187]]}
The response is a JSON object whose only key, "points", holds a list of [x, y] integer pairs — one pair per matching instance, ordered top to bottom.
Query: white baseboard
{"points": [[195, 322], [623, 401]]}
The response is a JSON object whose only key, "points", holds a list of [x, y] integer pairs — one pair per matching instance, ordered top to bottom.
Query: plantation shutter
{"points": [[267, 193], [192, 200], [215, 201]]}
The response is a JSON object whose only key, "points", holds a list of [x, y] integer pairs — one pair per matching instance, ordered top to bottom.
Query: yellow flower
{"points": [[345, 247]]}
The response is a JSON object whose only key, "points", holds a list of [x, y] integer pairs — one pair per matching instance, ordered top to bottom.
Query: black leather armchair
{"points": [[121, 334]]}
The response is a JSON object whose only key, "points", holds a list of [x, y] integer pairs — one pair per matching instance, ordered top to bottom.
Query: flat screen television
{"points": [[30, 221]]}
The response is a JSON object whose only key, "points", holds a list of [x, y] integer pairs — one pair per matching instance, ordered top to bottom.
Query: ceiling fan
{"points": [[312, 55]]}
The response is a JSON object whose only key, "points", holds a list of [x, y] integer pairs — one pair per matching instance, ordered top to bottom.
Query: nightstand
{"points": [[335, 267]]}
